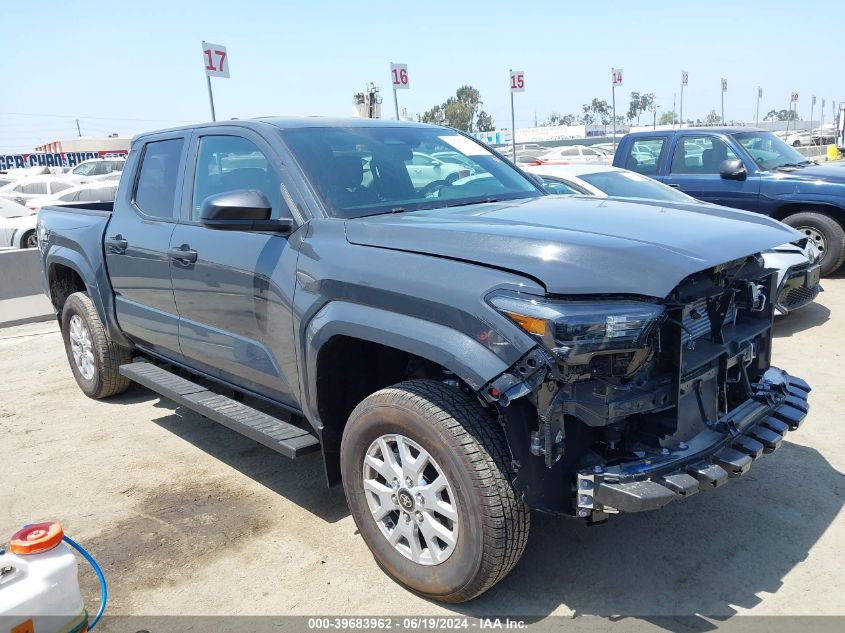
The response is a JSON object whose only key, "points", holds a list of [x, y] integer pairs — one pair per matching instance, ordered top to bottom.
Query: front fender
{"points": [[467, 358]]}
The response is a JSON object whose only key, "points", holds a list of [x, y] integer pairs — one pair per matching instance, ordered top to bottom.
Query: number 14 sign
{"points": [[215, 59]]}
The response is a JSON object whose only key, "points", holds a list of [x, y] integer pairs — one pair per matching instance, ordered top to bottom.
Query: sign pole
{"points": [[216, 62], [399, 79], [615, 79], [517, 85], [210, 98], [613, 99], [723, 102], [812, 107], [674, 111], [757, 112], [821, 124], [513, 131]]}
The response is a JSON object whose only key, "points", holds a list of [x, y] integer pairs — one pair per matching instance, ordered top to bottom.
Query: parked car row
{"points": [[25, 186], [18, 221]]}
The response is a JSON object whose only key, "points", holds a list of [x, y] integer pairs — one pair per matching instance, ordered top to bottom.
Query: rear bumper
{"points": [[724, 451]]}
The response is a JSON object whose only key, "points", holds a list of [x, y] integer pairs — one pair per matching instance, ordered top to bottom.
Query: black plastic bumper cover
{"points": [[707, 461]]}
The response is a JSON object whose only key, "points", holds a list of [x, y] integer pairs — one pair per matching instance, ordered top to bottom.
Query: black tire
{"points": [[796, 143], [26, 238], [833, 255], [108, 356], [470, 448]]}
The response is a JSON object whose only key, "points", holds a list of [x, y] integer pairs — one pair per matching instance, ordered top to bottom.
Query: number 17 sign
{"points": [[215, 59]]}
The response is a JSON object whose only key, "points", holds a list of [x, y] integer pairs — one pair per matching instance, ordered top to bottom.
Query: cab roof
{"points": [[286, 123], [702, 129]]}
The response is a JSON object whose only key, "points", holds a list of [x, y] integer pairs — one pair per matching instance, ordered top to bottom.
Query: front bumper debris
{"points": [[800, 287], [704, 462]]}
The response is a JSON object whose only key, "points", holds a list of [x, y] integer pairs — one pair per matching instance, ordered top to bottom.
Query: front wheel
{"points": [[827, 234], [29, 240], [427, 472]]}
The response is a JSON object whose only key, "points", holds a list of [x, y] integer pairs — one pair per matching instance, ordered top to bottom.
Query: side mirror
{"points": [[732, 169], [241, 210]]}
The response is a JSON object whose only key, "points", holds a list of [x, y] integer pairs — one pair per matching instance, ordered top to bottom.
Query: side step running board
{"points": [[287, 439]]}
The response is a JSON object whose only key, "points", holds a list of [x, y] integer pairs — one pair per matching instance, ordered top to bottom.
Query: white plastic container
{"points": [[39, 592]]}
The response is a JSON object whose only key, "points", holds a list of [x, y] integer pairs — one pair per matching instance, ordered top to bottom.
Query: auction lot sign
{"points": [[64, 159]]}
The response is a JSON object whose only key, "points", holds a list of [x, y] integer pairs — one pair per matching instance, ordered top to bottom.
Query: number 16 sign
{"points": [[399, 75]]}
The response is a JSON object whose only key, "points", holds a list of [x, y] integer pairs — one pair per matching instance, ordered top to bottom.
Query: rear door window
{"points": [[700, 155], [644, 156], [155, 192]]}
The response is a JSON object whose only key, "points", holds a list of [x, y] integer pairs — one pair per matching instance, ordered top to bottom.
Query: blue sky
{"points": [[132, 66]]}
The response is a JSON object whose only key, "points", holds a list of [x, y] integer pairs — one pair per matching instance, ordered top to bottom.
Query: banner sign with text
{"points": [[64, 159]]}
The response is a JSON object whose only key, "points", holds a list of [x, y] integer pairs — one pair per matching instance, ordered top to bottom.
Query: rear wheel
{"points": [[827, 234], [94, 358], [426, 472]]}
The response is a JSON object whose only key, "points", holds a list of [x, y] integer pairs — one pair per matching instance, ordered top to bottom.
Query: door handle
{"points": [[674, 185], [116, 244], [185, 255]]}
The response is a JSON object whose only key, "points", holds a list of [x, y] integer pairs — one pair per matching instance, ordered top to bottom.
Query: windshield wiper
{"points": [[471, 202]]}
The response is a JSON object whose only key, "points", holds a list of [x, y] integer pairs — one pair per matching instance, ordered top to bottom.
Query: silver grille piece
{"points": [[700, 326]]}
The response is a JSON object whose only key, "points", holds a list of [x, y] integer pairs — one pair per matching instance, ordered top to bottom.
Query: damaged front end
{"points": [[627, 404]]}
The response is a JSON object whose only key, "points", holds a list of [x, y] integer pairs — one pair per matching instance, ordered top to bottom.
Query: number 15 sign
{"points": [[215, 59], [517, 81]]}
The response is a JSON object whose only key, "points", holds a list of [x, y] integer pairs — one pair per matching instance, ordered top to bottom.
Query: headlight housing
{"points": [[601, 337]]}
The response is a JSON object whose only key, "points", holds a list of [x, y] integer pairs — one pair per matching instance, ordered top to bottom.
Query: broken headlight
{"points": [[604, 337]]}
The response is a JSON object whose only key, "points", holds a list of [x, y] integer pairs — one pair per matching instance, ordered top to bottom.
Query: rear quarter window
{"points": [[644, 155]]}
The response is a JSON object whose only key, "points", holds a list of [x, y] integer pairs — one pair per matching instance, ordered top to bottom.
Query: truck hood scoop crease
{"points": [[580, 245]]}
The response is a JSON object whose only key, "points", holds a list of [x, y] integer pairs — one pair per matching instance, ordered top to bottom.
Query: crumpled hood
{"points": [[579, 245]]}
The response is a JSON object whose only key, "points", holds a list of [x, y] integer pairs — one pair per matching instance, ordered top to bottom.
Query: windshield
{"points": [[768, 151], [84, 169], [358, 171], [628, 184]]}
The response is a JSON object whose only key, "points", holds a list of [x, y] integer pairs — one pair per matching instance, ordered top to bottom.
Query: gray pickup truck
{"points": [[461, 347]]}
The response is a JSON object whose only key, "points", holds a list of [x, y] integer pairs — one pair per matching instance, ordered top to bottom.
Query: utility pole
{"points": [[78, 131]]}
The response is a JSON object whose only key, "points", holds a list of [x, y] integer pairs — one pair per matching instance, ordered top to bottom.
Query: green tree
{"points": [[634, 109], [462, 112], [668, 118], [712, 118], [558, 119], [484, 123]]}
